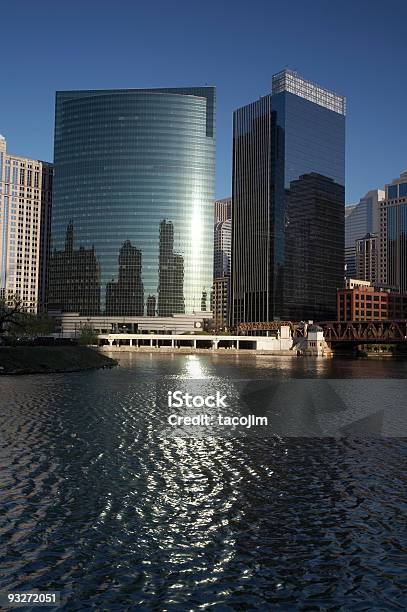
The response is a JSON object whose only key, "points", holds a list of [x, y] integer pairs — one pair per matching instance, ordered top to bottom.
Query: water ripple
{"points": [[96, 505]]}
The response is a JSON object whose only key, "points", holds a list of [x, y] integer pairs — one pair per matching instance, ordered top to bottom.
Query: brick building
{"points": [[366, 303]]}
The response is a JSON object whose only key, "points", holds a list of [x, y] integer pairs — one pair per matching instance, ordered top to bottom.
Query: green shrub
{"points": [[87, 335]]}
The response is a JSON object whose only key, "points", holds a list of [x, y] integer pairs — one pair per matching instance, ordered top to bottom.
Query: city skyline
{"points": [[156, 57], [311, 140], [203, 304]]}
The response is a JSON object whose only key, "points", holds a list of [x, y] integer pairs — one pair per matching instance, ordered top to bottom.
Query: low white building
{"points": [[69, 324], [283, 343]]}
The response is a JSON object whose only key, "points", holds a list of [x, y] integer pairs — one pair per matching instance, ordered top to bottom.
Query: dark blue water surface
{"points": [[95, 504]]}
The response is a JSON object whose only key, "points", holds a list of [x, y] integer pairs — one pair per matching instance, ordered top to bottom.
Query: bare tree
{"points": [[12, 313]]}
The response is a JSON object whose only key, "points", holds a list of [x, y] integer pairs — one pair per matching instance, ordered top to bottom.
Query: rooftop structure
{"points": [[291, 81]]}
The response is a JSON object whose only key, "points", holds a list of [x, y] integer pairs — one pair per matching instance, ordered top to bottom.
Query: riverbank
{"points": [[51, 359]]}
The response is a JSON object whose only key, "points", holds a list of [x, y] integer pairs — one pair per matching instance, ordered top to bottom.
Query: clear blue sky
{"points": [[358, 48]]}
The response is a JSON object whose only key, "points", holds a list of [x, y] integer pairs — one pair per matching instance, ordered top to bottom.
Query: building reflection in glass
{"points": [[314, 245], [170, 274], [74, 278], [126, 296], [204, 299], [151, 306]]}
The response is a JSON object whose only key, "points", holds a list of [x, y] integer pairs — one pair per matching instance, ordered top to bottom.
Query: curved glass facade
{"points": [[132, 221]]}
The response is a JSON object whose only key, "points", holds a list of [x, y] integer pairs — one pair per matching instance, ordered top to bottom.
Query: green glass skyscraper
{"points": [[132, 221]]}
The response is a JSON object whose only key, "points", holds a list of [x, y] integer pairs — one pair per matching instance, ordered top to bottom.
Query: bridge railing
{"points": [[297, 329]]}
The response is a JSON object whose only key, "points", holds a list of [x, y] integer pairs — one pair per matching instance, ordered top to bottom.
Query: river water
{"points": [[98, 504]]}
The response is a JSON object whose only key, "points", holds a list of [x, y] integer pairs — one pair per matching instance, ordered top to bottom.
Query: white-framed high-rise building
{"points": [[223, 209], [25, 211], [360, 219], [222, 248], [222, 262]]}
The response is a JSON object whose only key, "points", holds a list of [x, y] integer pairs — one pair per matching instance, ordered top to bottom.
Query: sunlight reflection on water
{"points": [[97, 505]]}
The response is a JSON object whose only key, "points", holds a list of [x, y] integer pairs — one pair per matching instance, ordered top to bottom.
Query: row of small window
{"points": [[22, 165], [22, 178], [27, 180], [21, 207], [21, 215], [21, 225], [20, 233], [28, 241], [24, 259], [22, 268], [26, 274], [22, 282], [25, 292], [369, 298]]}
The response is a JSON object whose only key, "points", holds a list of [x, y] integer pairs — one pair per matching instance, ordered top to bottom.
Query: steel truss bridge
{"points": [[297, 329], [355, 332], [365, 332]]}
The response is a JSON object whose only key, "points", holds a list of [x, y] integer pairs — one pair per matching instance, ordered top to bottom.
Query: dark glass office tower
{"points": [[293, 137], [132, 223]]}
